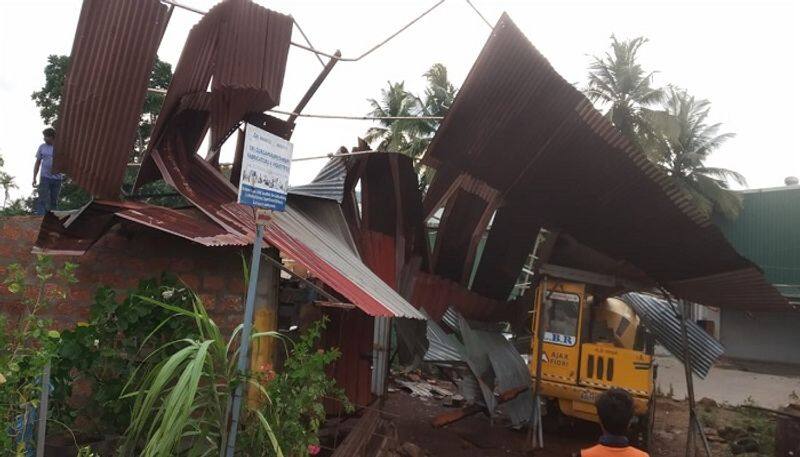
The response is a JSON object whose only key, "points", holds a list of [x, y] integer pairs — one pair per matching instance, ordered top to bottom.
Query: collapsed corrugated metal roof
{"points": [[238, 47], [243, 47], [104, 91], [522, 142], [311, 231], [75, 232], [314, 233], [661, 319], [498, 366]]}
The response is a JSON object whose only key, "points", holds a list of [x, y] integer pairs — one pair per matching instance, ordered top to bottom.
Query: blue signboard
{"points": [[266, 162]]}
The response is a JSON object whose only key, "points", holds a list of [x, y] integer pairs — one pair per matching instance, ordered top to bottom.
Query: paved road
{"points": [[731, 386]]}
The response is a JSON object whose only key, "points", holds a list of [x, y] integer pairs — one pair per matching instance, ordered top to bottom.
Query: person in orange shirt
{"points": [[615, 408]]}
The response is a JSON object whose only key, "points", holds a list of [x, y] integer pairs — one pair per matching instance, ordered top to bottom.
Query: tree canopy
{"points": [[48, 100], [668, 125], [411, 136]]}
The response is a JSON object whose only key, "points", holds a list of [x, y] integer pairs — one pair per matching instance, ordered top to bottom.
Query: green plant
{"points": [[27, 345], [106, 350], [181, 402], [293, 404]]}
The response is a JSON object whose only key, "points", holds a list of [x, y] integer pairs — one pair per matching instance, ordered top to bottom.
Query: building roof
{"points": [[767, 232]]}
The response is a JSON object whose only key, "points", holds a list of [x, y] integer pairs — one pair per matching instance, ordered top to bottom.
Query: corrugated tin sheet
{"points": [[238, 47], [112, 56], [519, 136], [329, 182], [767, 232], [74, 233], [314, 233], [436, 294], [661, 319], [442, 347], [498, 367]]}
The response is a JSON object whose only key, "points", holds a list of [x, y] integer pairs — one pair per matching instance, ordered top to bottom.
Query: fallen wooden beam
{"points": [[448, 417], [361, 434]]}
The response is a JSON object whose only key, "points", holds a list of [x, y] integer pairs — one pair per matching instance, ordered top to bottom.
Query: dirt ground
{"points": [[475, 435]]}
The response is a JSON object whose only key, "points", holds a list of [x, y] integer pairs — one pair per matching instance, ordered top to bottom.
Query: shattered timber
{"points": [[531, 182]]}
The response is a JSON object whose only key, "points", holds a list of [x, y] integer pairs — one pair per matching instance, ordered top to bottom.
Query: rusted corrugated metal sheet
{"points": [[238, 47], [112, 56], [520, 137], [75, 232], [436, 295], [351, 332]]}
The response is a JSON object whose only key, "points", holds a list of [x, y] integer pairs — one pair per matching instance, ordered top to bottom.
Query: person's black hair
{"points": [[49, 132], [615, 408]]}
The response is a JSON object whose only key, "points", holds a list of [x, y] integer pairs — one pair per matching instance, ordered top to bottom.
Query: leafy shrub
{"points": [[27, 345], [106, 350], [294, 397]]}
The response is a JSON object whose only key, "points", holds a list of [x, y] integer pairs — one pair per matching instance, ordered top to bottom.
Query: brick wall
{"points": [[127, 254]]}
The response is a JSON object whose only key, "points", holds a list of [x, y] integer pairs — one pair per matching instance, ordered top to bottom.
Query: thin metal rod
{"points": [[180, 5], [479, 14], [300, 29], [311, 48], [374, 48], [326, 69], [358, 118], [332, 155], [319, 289], [540, 323], [244, 346], [689, 380], [694, 423], [41, 429]]}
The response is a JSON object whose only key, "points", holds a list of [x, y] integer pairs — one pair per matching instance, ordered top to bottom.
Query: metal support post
{"points": [[314, 86], [540, 319], [244, 347], [380, 354], [694, 422], [41, 429]]}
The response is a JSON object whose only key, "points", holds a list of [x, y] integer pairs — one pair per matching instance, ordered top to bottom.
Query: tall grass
{"points": [[181, 403]]}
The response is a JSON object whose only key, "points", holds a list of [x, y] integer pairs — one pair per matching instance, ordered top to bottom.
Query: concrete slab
{"points": [[725, 385]]}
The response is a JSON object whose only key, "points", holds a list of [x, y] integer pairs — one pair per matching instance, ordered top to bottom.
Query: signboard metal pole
{"points": [[263, 185], [244, 347]]}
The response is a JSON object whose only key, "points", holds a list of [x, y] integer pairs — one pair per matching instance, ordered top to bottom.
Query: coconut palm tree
{"points": [[617, 82], [395, 135], [411, 136], [680, 143], [7, 183]]}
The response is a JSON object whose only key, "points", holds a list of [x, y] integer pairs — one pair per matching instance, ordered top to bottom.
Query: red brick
{"points": [[182, 265], [192, 281], [213, 283], [82, 295], [209, 300], [230, 304]]}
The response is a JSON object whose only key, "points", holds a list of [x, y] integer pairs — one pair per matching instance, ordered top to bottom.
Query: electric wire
{"points": [[479, 14], [305, 37], [319, 53], [358, 118]]}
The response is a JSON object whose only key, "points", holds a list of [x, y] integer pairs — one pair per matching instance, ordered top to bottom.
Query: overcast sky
{"points": [[743, 56]]}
